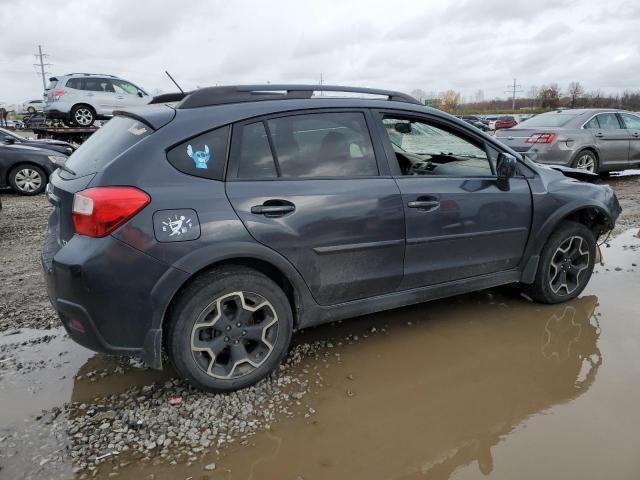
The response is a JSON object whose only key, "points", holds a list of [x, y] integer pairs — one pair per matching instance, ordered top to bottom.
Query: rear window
{"points": [[52, 83], [75, 83], [549, 120], [119, 134]]}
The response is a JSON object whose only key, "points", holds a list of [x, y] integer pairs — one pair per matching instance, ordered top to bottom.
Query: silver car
{"points": [[82, 98], [598, 140]]}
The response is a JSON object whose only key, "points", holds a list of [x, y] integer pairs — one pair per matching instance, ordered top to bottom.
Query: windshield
{"points": [[554, 119], [119, 134]]}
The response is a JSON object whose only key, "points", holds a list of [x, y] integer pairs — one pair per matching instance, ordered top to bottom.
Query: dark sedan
{"points": [[476, 122], [9, 138], [27, 169]]}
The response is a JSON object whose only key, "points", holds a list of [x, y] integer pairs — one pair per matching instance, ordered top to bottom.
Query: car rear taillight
{"points": [[57, 93], [541, 138], [99, 211]]}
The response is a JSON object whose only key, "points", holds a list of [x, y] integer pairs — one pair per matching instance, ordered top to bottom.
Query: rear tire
{"points": [[83, 116], [586, 160], [28, 179], [565, 266], [229, 329]]}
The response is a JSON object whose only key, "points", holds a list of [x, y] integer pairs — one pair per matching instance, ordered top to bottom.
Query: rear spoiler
{"points": [[168, 98]]}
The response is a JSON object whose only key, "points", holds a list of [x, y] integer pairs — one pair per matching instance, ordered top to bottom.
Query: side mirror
{"points": [[140, 94], [9, 141], [507, 166]]}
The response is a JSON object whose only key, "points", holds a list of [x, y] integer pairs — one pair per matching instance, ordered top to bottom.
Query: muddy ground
{"points": [[459, 388]]}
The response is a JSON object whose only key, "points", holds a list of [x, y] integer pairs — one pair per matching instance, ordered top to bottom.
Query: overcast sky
{"points": [[402, 45]]}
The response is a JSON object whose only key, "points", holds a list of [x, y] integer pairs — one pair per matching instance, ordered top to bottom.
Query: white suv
{"points": [[82, 98]]}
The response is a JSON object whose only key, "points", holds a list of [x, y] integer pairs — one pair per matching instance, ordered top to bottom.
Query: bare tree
{"points": [[575, 91], [549, 96], [450, 100]]}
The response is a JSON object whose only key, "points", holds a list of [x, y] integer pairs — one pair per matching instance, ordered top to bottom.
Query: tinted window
{"points": [[74, 83], [97, 85], [124, 88], [553, 119], [608, 121], [632, 122], [592, 124], [118, 135], [323, 145], [424, 149], [202, 156], [255, 158]]}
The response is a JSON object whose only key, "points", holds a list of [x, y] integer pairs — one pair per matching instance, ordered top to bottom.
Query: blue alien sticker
{"points": [[200, 157]]}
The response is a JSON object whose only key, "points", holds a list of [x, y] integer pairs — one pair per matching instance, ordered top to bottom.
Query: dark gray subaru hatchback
{"points": [[211, 229]]}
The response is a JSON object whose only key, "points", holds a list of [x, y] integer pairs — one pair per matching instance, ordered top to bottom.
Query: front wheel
{"points": [[28, 179], [565, 265], [229, 329]]}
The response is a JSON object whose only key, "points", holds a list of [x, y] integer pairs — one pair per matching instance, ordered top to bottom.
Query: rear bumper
{"points": [[109, 296]]}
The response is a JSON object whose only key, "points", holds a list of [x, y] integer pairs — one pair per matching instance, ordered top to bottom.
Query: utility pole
{"points": [[41, 56], [513, 89]]}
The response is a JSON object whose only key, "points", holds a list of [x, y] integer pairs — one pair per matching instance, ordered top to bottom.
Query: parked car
{"points": [[82, 98], [33, 106], [491, 121], [506, 121], [476, 122], [10, 138], [597, 140], [27, 169], [180, 240]]}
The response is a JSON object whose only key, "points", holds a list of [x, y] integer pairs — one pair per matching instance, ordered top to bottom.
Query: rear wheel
{"points": [[83, 116], [586, 160], [28, 179], [565, 265], [229, 329]]}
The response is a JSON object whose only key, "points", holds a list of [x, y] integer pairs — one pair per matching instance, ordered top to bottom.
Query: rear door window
{"points": [[75, 83], [609, 121], [632, 122], [592, 124], [118, 135], [323, 145], [202, 156], [255, 159]]}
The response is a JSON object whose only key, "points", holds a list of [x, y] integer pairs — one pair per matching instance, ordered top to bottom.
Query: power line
{"points": [[41, 56], [513, 89]]}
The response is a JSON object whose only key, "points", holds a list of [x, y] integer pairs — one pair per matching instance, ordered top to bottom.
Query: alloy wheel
{"points": [[83, 116], [586, 162], [28, 180], [568, 263], [234, 335]]}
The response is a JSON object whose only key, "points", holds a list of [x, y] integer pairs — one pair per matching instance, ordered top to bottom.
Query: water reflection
{"points": [[437, 397]]}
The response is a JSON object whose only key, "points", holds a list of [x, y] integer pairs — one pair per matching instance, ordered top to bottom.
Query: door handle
{"points": [[636, 134], [599, 135], [426, 205], [273, 208]]}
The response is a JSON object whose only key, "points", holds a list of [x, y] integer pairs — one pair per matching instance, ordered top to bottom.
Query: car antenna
{"points": [[176, 83]]}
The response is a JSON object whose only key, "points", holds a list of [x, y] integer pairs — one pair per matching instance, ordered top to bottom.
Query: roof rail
{"points": [[96, 74], [250, 93], [168, 97]]}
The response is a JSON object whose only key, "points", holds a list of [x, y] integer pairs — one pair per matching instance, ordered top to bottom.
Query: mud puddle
{"points": [[480, 384]]}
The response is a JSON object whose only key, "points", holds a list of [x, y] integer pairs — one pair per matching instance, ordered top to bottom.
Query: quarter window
{"points": [[592, 124], [426, 149], [202, 156]]}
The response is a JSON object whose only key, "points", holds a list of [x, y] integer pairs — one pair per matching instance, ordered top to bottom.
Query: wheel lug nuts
{"points": [[238, 324], [227, 328], [244, 332], [226, 339], [236, 341]]}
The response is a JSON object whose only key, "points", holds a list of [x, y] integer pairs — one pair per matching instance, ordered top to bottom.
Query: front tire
{"points": [[83, 116], [28, 179], [565, 265], [229, 329]]}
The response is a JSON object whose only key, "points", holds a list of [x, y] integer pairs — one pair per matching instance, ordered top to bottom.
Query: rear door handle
{"points": [[636, 134], [599, 135], [426, 205], [273, 208]]}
